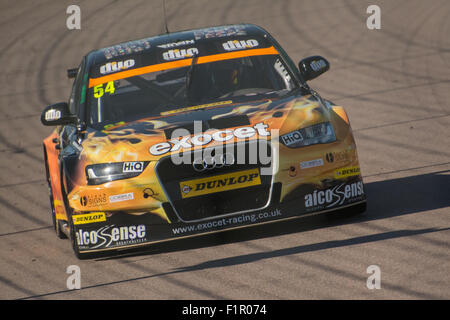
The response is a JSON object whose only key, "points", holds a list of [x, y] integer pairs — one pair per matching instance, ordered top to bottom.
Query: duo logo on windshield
{"points": [[176, 54]]}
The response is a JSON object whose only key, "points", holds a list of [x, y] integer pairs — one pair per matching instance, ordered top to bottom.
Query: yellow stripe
{"points": [[181, 63], [220, 103]]}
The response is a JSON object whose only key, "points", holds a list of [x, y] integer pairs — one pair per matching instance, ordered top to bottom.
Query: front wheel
{"points": [[56, 223]]}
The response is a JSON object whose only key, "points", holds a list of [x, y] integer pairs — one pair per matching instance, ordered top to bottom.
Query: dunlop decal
{"points": [[347, 172], [224, 182], [89, 218]]}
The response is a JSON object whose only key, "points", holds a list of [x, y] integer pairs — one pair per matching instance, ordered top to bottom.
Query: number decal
{"points": [[110, 87], [99, 92]]}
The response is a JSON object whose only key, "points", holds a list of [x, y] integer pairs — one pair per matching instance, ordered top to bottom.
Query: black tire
{"points": [[57, 224]]}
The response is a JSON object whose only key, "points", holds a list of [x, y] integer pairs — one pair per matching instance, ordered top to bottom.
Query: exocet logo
{"points": [[240, 44], [176, 54], [115, 66], [205, 138], [334, 196], [111, 235]]}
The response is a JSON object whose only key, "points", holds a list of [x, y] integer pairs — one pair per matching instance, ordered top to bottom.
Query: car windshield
{"points": [[157, 93]]}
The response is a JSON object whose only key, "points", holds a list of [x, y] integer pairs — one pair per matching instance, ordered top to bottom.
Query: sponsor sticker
{"points": [[218, 32], [176, 44], [233, 45], [126, 48], [176, 54], [316, 65], [115, 66], [52, 115], [292, 138], [338, 156], [311, 163], [131, 167], [347, 172], [219, 183], [186, 189], [336, 196], [121, 197], [93, 200], [89, 218], [111, 236]]}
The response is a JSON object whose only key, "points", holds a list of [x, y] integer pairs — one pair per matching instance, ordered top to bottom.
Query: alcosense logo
{"points": [[334, 196], [109, 236]]}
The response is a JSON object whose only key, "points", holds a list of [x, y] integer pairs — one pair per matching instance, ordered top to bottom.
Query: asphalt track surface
{"points": [[394, 83]]}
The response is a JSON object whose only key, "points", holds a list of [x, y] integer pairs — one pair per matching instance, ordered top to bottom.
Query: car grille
{"points": [[222, 202]]}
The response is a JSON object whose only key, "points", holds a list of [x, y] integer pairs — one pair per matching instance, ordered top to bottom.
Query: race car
{"points": [[194, 132]]}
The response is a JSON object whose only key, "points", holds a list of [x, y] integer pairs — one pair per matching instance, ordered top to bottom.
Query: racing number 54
{"points": [[99, 92]]}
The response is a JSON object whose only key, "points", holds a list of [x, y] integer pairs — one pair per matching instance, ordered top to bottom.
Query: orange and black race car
{"points": [[194, 132]]}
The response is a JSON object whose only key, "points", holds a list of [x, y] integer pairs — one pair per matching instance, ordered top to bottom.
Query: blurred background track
{"points": [[393, 82]]}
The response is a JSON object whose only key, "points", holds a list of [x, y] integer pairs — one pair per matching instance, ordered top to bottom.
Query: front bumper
{"points": [[123, 231]]}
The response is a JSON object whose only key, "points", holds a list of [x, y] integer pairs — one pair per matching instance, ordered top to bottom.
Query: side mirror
{"points": [[312, 67], [57, 114]]}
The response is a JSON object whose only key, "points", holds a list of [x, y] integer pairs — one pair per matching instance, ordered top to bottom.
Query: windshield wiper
{"points": [[189, 77]]}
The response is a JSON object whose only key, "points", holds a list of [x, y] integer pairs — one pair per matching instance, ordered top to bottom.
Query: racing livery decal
{"points": [[195, 132]]}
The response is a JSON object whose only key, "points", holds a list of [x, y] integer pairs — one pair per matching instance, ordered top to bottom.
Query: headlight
{"points": [[318, 133], [105, 172]]}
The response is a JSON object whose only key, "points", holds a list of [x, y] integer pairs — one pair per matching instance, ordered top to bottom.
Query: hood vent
{"points": [[227, 122]]}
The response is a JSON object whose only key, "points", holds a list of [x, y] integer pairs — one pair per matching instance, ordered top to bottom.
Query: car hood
{"points": [[147, 139]]}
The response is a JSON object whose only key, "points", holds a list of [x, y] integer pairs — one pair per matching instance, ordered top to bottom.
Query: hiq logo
{"points": [[239, 45], [179, 54], [116, 66], [133, 166]]}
